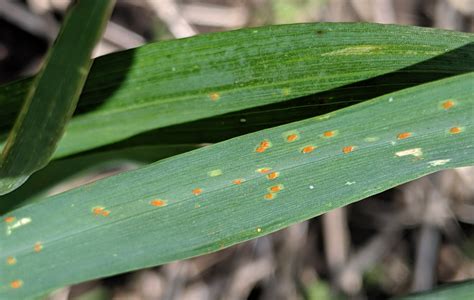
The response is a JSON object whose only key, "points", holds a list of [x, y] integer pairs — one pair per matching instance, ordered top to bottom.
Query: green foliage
{"points": [[174, 82], [52, 96], [216, 196], [191, 204], [459, 291]]}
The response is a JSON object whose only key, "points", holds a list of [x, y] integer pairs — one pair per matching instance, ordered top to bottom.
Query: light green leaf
{"points": [[178, 81], [52, 96], [58, 171], [191, 204], [458, 291]]}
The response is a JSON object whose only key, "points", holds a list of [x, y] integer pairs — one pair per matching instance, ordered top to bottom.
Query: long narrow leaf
{"points": [[179, 81], [52, 97], [57, 171], [249, 186], [458, 291]]}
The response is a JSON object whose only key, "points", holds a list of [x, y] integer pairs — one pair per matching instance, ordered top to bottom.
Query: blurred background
{"points": [[410, 238]]}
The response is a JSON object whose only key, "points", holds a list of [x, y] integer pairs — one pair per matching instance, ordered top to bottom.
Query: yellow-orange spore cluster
{"points": [[448, 104], [455, 130], [403, 135], [264, 145], [308, 149], [348, 149], [197, 191], [158, 203], [100, 211], [38, 247], [16, 284]]}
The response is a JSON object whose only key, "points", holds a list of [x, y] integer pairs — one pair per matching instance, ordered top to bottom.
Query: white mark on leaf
{"points": [[354, 50], [371, 139], [415, 152], [438, 162], [17, 224]]}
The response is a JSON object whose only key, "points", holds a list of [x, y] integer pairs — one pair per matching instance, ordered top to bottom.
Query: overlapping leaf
{"points": [[178, 81], [52, 96], [214, 197], [457, 290]]}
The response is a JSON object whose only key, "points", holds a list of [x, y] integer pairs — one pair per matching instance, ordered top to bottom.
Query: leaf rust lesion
{"points": [[263, 146], [348, 149], [158, 203]]}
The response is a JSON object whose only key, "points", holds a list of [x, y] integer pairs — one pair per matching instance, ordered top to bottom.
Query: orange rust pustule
{"points": [[214, 96], [448, 104], [455, 130], [328, 133], [403, 135], [292, 137], [264, 145], [260, 149], [308, 149], [347, 149], [264, 170], [273, 175], [237, 181], [276, 188], [197, 191], [269, 196], [158, 203], [98, 210], [9, 219], [38, 247], [11, 260], [16, 284]]}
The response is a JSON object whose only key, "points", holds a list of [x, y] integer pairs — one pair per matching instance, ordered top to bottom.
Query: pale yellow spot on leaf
{"points": [[354, 50], [214, 96], [214, 173], [11, 260]]}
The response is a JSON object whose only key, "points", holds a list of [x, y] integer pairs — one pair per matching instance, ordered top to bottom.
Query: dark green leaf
{"points": [[52, 96], [191, 204]]}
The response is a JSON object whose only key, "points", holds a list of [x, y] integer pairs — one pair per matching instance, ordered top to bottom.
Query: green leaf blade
{"points": [[179, 81], [52, 96], [207, 211], [455, 290]]}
